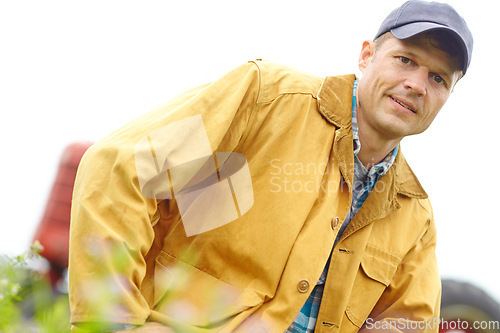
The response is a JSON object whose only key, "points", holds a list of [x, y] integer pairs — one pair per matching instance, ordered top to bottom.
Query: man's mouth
{"points": [[409, 107]]}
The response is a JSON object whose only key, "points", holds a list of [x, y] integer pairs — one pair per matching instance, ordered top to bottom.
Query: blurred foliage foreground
{"points": [[27, 301], [30, 303]]}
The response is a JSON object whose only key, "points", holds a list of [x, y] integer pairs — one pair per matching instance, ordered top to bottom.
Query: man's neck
{"points": [[373, 148]]}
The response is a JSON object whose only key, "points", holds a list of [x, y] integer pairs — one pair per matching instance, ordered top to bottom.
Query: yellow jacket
{"points": [[256, 271]]}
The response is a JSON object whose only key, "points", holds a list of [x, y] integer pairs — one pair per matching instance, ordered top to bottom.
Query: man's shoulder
{"points": [[278, 79]]}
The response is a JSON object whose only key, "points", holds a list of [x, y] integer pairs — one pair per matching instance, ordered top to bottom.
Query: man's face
{"points": [[404, 85]]}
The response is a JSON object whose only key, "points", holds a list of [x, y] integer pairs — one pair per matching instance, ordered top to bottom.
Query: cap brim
{"points": [[412, 29]]}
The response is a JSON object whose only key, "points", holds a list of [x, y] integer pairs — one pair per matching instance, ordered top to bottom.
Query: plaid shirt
{"points": [[364, 182]]}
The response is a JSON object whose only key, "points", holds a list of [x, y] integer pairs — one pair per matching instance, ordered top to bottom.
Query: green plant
{"points": [[27, 302]]}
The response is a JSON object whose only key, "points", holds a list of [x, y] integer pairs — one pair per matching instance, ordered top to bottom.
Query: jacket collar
{"points": [[335, 98], [334, 101], [406, 182]]}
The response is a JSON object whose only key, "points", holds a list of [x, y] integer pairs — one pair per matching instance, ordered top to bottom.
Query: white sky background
{"points": [[73, 71]]}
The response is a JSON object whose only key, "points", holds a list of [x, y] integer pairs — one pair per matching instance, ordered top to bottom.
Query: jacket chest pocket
{"points": [[376, 271], [195, 297]]}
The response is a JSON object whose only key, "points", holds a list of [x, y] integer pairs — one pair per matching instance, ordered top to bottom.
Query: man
{"points": [[272, 200]]}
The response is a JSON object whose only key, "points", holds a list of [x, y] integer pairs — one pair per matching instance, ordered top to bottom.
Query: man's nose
{"points": [[417, 80]]}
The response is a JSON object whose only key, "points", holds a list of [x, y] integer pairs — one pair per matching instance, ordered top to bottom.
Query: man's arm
{"points": [[113, 216]]}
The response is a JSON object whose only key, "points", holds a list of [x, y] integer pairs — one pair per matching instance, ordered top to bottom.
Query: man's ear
{"points": [[366, 55]]}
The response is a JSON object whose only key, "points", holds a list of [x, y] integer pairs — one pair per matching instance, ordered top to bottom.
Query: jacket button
{"points": [[335, 223], [303, 286]]}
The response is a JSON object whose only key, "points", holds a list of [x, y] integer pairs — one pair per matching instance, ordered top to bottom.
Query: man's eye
{"points": [[405, 60], [438, 79]]}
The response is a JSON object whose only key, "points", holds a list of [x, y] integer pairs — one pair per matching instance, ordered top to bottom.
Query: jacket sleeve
{"points": [[113, 210], [412, 301]]}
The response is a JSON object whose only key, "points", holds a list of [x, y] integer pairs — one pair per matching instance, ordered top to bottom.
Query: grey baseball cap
{"points": [[416, 16]]}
